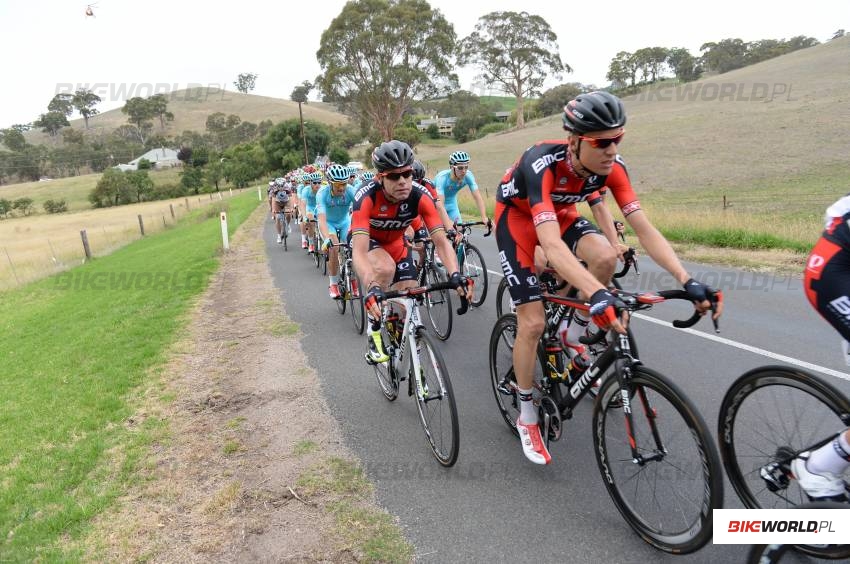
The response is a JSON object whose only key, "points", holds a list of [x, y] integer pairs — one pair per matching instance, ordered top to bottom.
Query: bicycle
{"points": [[286, 221], [319, 256], [470, 261], [349, 286], [438, 304], [407, 345], [768, 417], [645, 429]]}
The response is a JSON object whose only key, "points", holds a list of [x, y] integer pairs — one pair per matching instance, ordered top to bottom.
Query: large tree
{"points": [[517, 51], [379, 55], [245, 82], [84, 102], [159, 108], [140, 112], [52, 122], [284, 148]]}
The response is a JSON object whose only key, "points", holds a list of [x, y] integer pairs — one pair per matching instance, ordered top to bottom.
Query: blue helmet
{"points": [[458, 157], [338, 173], [315, 176], [368, 176]]}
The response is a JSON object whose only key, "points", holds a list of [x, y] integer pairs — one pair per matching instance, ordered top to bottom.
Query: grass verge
{"points": [[75, 346]]}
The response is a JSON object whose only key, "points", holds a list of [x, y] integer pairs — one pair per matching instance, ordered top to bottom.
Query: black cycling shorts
{"points": [[578, 229], [405, 269]]}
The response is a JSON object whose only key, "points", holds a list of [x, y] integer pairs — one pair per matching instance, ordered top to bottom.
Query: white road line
{"points": [[742, 346]]}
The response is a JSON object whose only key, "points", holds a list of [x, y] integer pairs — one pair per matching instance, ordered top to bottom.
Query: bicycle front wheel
{"points": [[475, 268], [438, 304], [504, 304], [358, 310], [385, 372], [436, 401], [767, 418], [667, 496]]}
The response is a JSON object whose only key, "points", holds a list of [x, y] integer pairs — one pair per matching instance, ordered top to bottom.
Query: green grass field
{"points": [[74, 190], [74, 348]]}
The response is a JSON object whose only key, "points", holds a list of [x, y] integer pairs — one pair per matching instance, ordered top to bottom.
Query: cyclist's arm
{"points": [[444, 216], [605, 220], [657, 246], [445, 250], [360, 257]]}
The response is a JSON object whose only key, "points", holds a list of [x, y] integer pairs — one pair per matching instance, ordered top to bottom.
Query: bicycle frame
{"points": [[398, 349]]}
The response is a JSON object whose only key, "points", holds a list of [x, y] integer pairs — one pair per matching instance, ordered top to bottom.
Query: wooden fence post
{"points": [[171, 207], [141, 225], [86, 247]]}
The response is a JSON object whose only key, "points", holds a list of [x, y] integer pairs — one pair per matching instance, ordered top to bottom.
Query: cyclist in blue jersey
{"points": [[452, 180], [309, 198], [333, 203]]}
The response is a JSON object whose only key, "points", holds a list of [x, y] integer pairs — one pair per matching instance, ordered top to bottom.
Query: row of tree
{"points": [[649, 64]]}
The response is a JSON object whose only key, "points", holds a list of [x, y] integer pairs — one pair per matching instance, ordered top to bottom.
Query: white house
{"points": [[159, 158]]}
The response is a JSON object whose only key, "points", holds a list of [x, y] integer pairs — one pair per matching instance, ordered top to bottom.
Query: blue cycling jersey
{"points": [[448, 188], [309, 198], [335, 208]]}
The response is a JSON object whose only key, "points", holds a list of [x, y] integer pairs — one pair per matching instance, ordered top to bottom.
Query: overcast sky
{"points": [[48, 45]]}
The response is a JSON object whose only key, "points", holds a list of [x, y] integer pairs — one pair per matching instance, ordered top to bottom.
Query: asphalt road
{"points": [[493, 505]]}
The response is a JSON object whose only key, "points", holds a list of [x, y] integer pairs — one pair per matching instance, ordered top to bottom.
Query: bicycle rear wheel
{"points": [[475, 268], [438, 304], [358, 310], [502, 377], [436, 401], [668, 497]]}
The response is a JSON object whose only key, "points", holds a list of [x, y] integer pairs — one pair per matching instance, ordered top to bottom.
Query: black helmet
{"points": [[594, 111], [392, 154], [418, 170]]}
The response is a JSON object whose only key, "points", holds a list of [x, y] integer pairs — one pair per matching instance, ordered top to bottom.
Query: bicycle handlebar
{"points": [[489, 224], [630, 257], [413, 292], [636, 301]]}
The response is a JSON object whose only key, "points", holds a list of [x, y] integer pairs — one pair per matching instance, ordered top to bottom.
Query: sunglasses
{"points": [[603, 142], [461, 168], [396, 175], [316, 182], [339, 184]]}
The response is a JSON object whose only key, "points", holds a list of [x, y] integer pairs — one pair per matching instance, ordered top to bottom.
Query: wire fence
{"points": [[35, 247]]}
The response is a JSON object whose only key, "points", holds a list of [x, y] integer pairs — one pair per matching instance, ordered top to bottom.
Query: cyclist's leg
{"points": [[516, 253], [333, 263], [384, 268], [827, 286]]}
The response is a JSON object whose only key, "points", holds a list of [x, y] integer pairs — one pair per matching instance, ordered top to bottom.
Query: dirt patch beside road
{"points": [[248, 464]]}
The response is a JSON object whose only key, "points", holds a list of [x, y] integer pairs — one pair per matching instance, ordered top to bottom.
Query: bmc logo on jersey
{"points": [[547, 160], [509, 189], [567, 198], [389, 223], [841, 306]]}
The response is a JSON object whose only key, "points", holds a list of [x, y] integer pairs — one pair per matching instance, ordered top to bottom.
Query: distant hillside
{"points": [[191, 108], [681, 144]]}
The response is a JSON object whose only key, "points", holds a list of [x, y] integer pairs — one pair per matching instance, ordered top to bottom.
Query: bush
{"points": [[494, 127], [433, 132], [338, 155], [144, 164], [168, 191], [24, 205], [55, 206], [5, 207]]}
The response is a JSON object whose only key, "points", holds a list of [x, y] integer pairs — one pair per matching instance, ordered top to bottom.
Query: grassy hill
{"points": [[192, 107], [780, 159]]}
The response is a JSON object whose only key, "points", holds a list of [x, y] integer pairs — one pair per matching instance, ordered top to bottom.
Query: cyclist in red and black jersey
{"points": [[535, 204], [382, 210], [827, 286]]}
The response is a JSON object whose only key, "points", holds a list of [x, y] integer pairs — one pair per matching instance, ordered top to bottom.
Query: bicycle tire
{"points": [[475, 268], [504, 303], [438, 304], [358, 310], [501, 370], [385, 372], [819, 409], [436, 413], [703, 491]]}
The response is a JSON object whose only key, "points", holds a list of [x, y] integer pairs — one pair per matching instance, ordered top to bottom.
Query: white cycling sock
{"points": [[303, 238], [334, 279], [577, 328], [527, 412], [830, 458]]}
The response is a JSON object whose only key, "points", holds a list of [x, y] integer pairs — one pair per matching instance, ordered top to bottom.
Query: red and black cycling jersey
{"points": [[543, 185], [385, 221]]}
